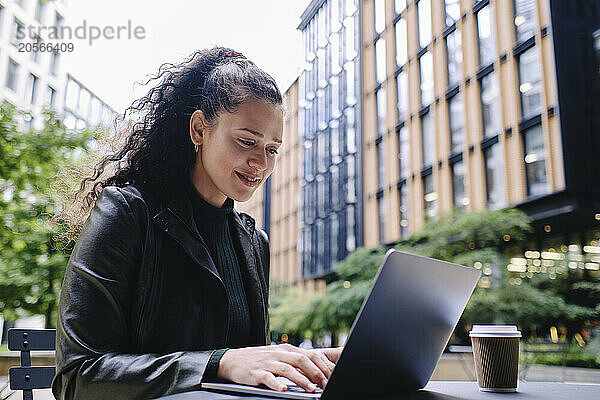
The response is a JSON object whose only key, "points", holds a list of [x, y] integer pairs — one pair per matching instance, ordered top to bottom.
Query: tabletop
{"points": [[446, 390]]}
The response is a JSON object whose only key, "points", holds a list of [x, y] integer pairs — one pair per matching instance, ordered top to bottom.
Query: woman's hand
{"points": [[259, 365]]}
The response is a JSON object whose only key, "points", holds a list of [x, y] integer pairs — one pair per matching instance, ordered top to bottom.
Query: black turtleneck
{"points": [[213, 225]]}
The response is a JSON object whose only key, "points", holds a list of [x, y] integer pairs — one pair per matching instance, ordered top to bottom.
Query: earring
{"points": [[196, 147]]}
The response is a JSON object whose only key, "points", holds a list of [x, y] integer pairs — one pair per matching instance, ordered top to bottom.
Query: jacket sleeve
{"points": [[263, 240], [93, 339]]}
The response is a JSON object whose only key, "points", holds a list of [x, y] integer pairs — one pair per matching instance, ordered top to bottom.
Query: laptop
{"points": [[398, 335]]}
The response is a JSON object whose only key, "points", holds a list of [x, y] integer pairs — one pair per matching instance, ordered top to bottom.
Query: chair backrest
{"points": [[26, 377]]}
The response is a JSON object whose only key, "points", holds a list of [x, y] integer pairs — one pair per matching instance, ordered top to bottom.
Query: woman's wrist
{"points": [[212, 367]]}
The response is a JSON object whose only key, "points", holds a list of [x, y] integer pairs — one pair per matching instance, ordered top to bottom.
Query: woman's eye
{"points": [[247, 142], [273, 151]]}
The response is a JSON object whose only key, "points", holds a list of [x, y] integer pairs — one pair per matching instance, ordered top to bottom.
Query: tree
{"points": [[477, 239], [31, 268]]}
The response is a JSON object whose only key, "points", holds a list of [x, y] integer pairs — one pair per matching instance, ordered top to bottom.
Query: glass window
{"points": [[399, 5], [334, 7], [350, 7], [452, 8], [424, 10], [39, 11], [379, 15], [525, 21], [321, 29], [18, 33], [487, 39], [401, 42], [350, 44], [334, 49], [454, 51], [35, 55], [380, 60], [54, 63], [426, 65], [12, 76], [350, 81], [402, 82], [529, 83], [31, 93], [50, 95], [335, 97], [490, 105], [83, 108], [95, 111], [381, 111], [456, 116], [350, 131], [428, 140], [335, 141], [323, 146], [403, 153], [535, 161], [380, 165], [494, 177], [322, 196], [429, 197], [459, 197], [381, 209], [334, 227], [404, 228], [350, 236], [320, 246]]}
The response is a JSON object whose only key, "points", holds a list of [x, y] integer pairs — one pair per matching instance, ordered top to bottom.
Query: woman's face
{"points": [[237, 154]]}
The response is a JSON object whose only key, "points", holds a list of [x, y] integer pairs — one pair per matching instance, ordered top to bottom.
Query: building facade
{"points": [[30, 80], [37, 80], [454, 105], [476, 105], [82, 108]]}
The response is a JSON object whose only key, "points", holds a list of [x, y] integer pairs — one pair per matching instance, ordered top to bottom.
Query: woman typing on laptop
{"points": [[167, 286]]}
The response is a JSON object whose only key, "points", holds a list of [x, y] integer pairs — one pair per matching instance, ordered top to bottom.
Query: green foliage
{"points": [[456, 233], [476, 239], [362, 264], [31, 269], [525, 306], [289, 309]]}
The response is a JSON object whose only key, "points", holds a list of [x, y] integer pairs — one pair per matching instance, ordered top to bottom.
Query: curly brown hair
{"points": [[153, 148]]}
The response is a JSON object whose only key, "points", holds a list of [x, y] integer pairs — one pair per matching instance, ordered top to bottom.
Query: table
{"points": [[445, 390]]}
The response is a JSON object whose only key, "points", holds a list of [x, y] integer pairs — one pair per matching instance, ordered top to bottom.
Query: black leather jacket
{"points": [[142, 305]]}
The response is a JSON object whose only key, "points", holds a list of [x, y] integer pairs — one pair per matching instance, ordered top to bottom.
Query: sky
{"points": [[263, 30]]}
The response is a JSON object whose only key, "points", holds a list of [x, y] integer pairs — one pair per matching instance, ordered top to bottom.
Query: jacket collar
{"points": [[180, 205], [175, 216]]}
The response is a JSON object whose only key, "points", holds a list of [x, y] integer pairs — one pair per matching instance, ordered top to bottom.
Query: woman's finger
{"points": [[333, 354], [321, 361], [307, 366], [288, 371], [269, 380]]}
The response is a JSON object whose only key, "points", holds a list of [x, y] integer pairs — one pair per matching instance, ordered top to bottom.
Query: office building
{"points": [[37, 80], [448, 105]]}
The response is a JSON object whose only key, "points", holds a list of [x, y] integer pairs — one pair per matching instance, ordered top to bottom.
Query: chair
{"points": [[26, 377]]}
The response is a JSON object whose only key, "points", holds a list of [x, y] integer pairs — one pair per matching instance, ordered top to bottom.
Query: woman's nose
{"points": [[258, 160]]}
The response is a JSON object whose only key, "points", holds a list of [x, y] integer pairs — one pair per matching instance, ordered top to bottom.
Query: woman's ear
{"points": [[197, 126]]}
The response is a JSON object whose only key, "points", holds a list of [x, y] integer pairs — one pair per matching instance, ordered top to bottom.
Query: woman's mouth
{"points": [[248, 180]]}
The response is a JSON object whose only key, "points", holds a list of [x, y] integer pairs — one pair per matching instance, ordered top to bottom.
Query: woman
{"points": [[167, 285]]}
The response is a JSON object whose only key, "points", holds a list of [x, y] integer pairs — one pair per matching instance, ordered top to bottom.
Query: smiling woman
{"points": [[167, 286]]}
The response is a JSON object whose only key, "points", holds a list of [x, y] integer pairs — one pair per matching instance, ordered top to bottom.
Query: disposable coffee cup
{"points": [[496, 353]]}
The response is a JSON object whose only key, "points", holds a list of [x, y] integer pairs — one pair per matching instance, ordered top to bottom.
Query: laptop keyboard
{"points": [[300, 389]]}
